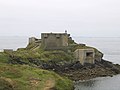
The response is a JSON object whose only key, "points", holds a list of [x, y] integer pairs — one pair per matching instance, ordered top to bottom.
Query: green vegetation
{"points": [[34, 51], [41, 55], [3, 58], [24, 77]]}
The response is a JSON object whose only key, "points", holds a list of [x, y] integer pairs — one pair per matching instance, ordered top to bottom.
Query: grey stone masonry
{"points": [[54, 40], [8, 50]]}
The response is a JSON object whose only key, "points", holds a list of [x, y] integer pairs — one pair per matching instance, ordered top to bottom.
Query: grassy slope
{"points": [[37, 52], [54, 55], [23, 77], [26, 77]]}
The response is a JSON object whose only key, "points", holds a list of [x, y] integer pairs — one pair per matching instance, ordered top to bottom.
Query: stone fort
{"points": [[54, 40], [59, 41]]}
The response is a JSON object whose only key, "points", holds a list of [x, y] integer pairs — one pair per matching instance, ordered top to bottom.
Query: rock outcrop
{"points": [[63, 61]]}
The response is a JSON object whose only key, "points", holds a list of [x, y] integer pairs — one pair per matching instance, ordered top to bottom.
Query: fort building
{"points": [[34, 40], [54, 40], [60, 41], [8, 50], [85, 55]]}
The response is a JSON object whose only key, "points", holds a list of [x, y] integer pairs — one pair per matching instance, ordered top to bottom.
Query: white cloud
{"points": [[80, 17]]}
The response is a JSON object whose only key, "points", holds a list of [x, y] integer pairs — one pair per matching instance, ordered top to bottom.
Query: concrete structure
{"points": [[34, 40], [54, 40], [63, 41], [8, 50], [85, 56]]}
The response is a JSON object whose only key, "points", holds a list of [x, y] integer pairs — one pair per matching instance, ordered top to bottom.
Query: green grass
{"points": [[35, 52], [55, 55], [3, 57], [24, 77]]}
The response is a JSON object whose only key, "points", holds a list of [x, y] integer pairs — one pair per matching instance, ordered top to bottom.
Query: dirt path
{"points": [[49, 84]]}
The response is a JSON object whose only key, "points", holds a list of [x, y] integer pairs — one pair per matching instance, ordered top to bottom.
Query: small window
{"points": [[45, 36], [58, 36], [89, 54]]}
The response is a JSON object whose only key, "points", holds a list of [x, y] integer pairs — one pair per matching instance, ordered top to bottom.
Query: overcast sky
{"points": [[96, 18]]}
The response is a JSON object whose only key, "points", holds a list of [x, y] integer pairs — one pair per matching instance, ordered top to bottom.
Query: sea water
{"points": [[13, 42], [109, 46]]}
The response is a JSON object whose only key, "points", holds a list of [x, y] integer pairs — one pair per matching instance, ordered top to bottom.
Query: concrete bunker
{"points": [[34, 40], [85, 55]]}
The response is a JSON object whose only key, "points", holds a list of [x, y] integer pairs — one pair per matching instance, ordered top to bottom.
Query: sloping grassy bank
{"points": [[24, 77]]}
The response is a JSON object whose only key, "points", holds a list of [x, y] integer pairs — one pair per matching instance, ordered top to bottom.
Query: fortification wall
{"points": [[54, 40]]}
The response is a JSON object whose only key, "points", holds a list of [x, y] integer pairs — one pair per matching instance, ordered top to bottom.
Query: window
{"points": [[45, 36], [58, 36], [89, 54]]}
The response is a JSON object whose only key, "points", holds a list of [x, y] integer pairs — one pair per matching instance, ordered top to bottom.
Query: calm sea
{"points": [[12, 42], [109, 46]]}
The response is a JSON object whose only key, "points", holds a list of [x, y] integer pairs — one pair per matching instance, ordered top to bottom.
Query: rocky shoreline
{"points": [[102, 69], [75, 71]]}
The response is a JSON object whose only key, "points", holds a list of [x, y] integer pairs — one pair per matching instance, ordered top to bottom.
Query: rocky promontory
{"points": [[49, 54], [55, 56]]}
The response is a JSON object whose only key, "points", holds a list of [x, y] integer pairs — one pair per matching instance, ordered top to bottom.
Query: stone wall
{"points": [[34, 40], [54, 40]]}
